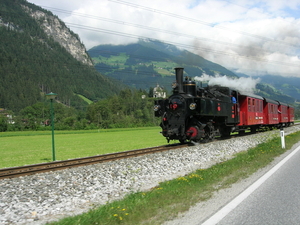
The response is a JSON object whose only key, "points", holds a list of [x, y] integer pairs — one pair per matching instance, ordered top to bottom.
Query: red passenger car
{"points": [[251, 110], [271, 112], [283, 114], [290, 115]]}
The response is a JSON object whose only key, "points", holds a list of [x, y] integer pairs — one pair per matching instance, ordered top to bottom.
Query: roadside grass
{"points": [[32, 147], [165, 201]]}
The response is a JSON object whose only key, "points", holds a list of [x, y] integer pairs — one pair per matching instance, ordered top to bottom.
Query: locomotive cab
{"points": [[224, 94]]}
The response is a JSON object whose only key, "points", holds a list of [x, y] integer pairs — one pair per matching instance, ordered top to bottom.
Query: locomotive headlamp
{"points": [[174, 85], [193, 106], [156, 108]]}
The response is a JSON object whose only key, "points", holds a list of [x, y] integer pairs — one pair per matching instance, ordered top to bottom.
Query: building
{"points": [[158, 92]]}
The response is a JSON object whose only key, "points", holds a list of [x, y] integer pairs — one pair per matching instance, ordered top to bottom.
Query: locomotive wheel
{"points": [[193, 133], [209, 133]]}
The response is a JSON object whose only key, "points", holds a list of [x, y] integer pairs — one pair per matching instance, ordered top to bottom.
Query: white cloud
{"points": [[254, 37]]}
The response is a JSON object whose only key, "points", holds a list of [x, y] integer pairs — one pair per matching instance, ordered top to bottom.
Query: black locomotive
{"points": [[196, 114]]}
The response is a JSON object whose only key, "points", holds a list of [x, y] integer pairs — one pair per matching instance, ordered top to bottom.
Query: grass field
{"points": [[31, 147]]}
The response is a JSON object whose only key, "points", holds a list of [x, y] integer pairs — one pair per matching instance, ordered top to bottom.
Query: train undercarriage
{"points": [[199, 132]]}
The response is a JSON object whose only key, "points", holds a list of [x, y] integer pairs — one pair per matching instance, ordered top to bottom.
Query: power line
{"points": [[251, 9], [199, 21], [146, 27], [157, 29], [164, 31], [166, 42], [181, 45]]}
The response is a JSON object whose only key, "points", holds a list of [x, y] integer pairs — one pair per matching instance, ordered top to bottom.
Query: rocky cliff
{"points": [[56, 29]]}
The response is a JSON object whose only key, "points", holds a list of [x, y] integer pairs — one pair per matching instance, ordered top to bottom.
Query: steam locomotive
{"points": [[200, 114]]}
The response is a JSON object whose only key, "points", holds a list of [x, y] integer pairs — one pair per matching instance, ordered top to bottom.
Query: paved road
{"points": [[274, 199]]}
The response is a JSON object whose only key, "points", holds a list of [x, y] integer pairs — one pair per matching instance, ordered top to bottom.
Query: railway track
{"points": [[60, 165]]}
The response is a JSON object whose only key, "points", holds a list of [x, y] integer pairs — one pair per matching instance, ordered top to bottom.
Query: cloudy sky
{"points": [[255, 37]]}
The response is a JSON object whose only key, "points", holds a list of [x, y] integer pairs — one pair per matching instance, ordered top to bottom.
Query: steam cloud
{"points": [[242, 84]]}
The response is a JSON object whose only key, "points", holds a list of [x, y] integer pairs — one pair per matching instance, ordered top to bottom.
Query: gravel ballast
{"points": [[45, 197]]}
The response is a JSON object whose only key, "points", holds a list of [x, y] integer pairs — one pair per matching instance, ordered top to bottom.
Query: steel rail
{"points": [[70, 163], [64, 164]]}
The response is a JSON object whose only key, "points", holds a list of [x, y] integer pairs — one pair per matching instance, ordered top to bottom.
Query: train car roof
{"points": [[251, 95], [271, 101], [281, 103]]}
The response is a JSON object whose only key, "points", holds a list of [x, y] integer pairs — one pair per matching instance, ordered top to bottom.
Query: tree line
{"points": [[130, 108]]}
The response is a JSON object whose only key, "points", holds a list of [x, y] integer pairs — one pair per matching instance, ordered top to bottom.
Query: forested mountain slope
{"points": [[34, 62], [149, 62], [287, 85]]}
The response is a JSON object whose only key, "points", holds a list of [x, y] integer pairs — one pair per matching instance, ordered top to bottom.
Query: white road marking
{"points": [[217, 217]]}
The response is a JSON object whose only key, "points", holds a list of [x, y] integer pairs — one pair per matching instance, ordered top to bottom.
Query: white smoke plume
{"points": [[242, 84]]}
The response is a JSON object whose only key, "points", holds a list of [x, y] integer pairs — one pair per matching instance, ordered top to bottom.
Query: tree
{"points": [[3, 123]]}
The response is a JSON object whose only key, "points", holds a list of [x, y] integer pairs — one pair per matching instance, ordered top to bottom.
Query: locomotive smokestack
{"points": [[179, 79]]}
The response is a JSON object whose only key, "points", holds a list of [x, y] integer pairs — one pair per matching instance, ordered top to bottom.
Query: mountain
{"points": [[39, 54], [149, 62], [287, 85], [286, 89], [268, 91]]}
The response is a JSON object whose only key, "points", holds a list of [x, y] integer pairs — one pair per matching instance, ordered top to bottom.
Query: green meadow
{"points": [[32, 147]]}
